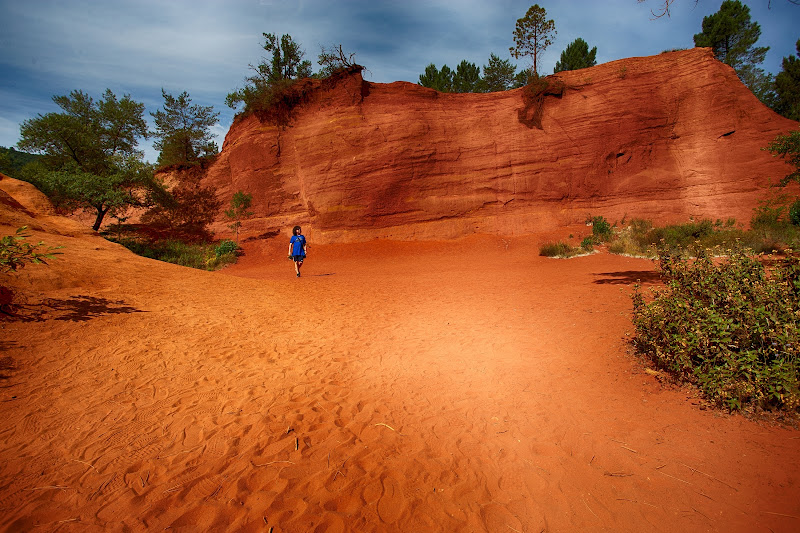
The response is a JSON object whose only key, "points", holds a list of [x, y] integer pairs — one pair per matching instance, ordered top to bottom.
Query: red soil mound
{"points": [[664, 137], [420, 386]]}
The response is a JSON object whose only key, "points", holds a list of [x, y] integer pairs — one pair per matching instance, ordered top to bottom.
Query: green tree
{"points": [[532, 35], [732, 36], [576, 56], [285, 64], [498, 75], [433, 78], [466, 78], [787, 86], [183, 130], [787, 147], [91, 156], [12, 161], [5, 162], [240, 203]]}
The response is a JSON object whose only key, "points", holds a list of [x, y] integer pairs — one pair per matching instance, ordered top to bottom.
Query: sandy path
{"points": [[462, 386]]}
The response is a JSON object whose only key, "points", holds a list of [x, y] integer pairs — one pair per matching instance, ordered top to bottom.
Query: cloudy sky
{"points": [[204, 47]]}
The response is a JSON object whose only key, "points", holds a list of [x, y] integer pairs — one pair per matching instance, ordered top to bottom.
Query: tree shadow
{"points": [[629, 277], [84, 308], [73, 309]]}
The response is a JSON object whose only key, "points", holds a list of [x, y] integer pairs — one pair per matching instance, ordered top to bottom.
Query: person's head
{"points": [[296, 230]]}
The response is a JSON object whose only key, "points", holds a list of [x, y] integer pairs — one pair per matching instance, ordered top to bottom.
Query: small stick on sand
{"points": [[390, 427], [625, 447], [84, 462], [271, 463], [708, 476], [673, 477], [48, 487], [634, 501], [590, 509], [781, 514]]}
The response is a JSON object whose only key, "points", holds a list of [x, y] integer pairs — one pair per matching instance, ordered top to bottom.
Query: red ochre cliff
{"points": [[666, 137]]}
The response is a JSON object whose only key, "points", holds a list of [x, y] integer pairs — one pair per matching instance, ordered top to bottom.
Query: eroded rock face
{"points": [[666, 137]]}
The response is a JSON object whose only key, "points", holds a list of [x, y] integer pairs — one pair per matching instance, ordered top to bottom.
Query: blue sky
{"points": [[204, 47]]}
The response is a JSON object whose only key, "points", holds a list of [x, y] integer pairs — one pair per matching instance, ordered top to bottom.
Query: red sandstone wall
{"points": [[666, 137]]}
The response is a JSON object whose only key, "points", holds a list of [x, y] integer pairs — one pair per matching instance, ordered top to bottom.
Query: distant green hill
{"points": [[12, 161]]}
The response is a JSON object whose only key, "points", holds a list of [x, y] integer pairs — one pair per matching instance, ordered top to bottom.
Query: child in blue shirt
{"points": [[297, 249]]}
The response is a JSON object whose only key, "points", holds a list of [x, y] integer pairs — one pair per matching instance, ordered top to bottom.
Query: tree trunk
{"points": [[99, 220]]}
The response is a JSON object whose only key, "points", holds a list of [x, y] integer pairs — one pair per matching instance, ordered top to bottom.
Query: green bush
{"points": [[794, 213], [601, 229], [587, 244], [225, 247], [557, 249], [203, 256], [730, 327]]}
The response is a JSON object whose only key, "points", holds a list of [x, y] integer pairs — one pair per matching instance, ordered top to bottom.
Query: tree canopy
{"points": [[532, 35], [732, 36], [576, 56], [285, 64], [498, 75], [434, 78], [465, 79], [787, 86], [183, 130], [787, 147], [90, 153]]}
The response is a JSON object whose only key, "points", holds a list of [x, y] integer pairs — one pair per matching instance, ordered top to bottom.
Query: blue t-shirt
{"points": [[298, 242]]}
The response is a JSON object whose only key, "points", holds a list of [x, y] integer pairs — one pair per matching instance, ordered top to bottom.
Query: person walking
{"points": [[297, 248]]}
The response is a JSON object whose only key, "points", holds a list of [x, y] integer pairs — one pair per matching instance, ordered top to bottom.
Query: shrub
{"points": [[794, 213], [601, 229], [642, 238], [587, 244], [225, 247], [557, 249], [203, 256], [730, 327]]}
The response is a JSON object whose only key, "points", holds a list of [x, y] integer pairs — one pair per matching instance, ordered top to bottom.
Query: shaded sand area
{"points": [[466, 385]]}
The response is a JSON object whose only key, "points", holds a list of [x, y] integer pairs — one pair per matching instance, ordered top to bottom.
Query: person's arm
{"points": [[290, 247]]}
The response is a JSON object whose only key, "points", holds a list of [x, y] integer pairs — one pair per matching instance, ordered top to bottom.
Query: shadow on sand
{"points": [[628, 277], [83, 308], [73, 309]]}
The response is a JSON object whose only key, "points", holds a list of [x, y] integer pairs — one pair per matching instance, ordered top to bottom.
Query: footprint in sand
{"points": [[192, 435], [391, 503]]}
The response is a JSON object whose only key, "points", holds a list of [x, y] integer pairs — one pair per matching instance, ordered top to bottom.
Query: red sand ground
{"points": [[465, 385]]}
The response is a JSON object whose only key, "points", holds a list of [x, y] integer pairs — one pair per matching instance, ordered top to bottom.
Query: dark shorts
{"points": [[298, 258]]}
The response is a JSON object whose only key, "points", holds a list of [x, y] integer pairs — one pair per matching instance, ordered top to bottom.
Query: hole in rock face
{"points": [[729, 133], [620, 154]]}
